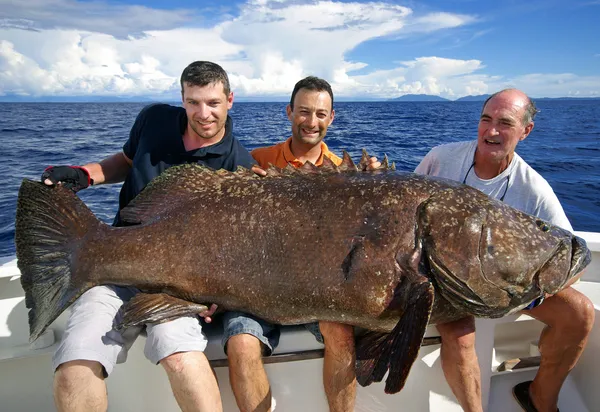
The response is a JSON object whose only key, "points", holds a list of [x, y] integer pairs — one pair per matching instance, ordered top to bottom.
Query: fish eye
{"points": [[542, 225]]}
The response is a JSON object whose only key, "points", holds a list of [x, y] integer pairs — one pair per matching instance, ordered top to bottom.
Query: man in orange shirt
{"points": [[310, 112]]}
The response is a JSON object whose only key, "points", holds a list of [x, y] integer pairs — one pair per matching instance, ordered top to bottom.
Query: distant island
{"points": [[419, 98], [477, 98]]}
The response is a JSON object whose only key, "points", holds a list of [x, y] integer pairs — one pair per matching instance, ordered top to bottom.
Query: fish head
{"points": [[490, 259]]}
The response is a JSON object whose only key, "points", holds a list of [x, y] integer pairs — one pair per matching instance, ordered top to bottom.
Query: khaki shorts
{"points": [[89, 334]]}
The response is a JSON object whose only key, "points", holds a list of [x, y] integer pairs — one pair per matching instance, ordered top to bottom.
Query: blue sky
{"points": [[366, 49]]}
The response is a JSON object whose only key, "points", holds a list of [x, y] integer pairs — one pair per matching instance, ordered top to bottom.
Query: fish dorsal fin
{"points": [[364, 160], [386, 162], [347, 163], [328, 165], [308, 167], [273, 170], [289, 170], [178, 182]]}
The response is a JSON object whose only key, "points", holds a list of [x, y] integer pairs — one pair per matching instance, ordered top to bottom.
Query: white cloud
{"points": [[94, 16], [437, 21], [72, 48], [79, 63], [449, 78]]}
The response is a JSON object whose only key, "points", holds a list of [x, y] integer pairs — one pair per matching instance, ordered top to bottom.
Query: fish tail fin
{"points": [[50, 223], [377, 352]]}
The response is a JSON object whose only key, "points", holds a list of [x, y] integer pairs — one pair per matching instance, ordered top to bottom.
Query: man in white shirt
{"points": [[491, 165]]}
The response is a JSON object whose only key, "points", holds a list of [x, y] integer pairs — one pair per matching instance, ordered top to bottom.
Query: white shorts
{"points": [[89, 334]]}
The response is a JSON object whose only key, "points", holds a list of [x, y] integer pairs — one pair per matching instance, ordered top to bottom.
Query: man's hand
{"points": [[373, 163], [258, 170], [71, 177], [208, 313]]}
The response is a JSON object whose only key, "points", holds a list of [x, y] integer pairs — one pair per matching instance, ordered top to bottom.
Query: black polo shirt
{"points": [[156, 143]]}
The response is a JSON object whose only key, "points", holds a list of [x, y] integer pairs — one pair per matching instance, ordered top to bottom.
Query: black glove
{"points": [[71, 177]]}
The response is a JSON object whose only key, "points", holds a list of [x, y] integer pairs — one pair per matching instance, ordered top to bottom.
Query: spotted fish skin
{"points": [[336, 244]]}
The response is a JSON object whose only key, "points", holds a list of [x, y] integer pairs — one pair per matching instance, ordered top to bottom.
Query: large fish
{"points": [[386, 251]]}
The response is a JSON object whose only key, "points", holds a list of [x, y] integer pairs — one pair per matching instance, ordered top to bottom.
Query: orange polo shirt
{"points": [[280, 155]]}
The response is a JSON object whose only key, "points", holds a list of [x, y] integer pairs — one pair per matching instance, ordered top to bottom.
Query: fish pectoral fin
{"points": [[156, 308], [377, 352]]}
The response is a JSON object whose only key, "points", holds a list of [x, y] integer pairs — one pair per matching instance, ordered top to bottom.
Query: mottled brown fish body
{"points": [[372, 249], [291, 250]]}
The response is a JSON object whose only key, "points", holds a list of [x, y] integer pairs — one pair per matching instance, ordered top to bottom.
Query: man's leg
{"points": [[569, 316], [245, 339], [178, 346], [89, 350], [459, 362], [247, 374], [339, 377], [193, 382], [79, 387]]}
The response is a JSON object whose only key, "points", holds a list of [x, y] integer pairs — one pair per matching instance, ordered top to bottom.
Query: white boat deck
{"points": [[137, 385]]}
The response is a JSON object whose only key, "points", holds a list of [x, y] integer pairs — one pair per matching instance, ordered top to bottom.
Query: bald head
{"points": [[517, 98]]}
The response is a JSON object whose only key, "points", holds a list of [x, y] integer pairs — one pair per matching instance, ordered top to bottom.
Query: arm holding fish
{"points": [[113, 169]]}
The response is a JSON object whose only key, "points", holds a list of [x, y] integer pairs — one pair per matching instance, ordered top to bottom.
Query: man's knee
{"points": [[569, 311], [578, 318], [458, 335], [244, 349], [174, 362], [177, 362], [76, 373]]}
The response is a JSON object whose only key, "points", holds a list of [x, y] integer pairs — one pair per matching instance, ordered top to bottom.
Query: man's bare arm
{"points": [[113, 169]]}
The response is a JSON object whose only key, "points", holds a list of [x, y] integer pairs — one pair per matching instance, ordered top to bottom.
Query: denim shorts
{"points": [[536, 302], [237, 323], [315, 330], [89, 334]]}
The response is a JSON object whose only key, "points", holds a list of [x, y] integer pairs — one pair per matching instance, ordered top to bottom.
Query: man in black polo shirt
{"points": [[162, 136]]}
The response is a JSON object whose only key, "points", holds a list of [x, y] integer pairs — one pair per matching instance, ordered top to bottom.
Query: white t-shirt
{"points": [[522, 187]]}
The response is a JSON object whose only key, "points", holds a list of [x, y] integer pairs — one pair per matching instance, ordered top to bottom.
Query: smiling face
{"points": [[206, 108], [311, 116], [501, 127]]}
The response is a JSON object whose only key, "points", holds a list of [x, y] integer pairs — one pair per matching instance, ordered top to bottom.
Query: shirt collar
{"points": [[290, 158]]}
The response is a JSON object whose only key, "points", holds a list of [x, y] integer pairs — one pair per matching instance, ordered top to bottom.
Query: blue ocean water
{"points": [[564, 146]]}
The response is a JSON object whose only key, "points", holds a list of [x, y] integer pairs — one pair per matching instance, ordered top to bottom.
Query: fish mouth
{"points": [[582, 256]]}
